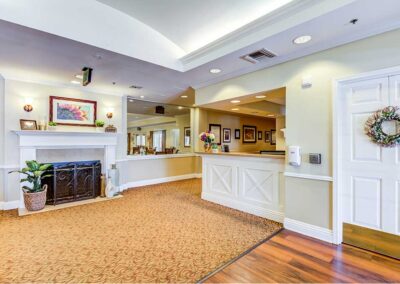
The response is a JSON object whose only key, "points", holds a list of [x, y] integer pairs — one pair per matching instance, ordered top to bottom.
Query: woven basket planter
{"points": [[35, 201]]}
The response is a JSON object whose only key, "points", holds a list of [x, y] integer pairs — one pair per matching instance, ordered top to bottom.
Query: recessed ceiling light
{"points": [[302, 39], [215, 70], [79, 76], [75, 82], [142, 97], [184, 97], [260, 97], [131, 100], [235, 101], [179, 107], [235, 109], [270, 115]]}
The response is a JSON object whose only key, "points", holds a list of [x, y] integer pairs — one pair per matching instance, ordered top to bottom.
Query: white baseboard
{"points": [[157, 181], [8, 205], [251, 209], [313, 231]]}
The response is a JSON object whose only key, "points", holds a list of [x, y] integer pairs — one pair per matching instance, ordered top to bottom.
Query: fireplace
{"points": [[73, 181]]}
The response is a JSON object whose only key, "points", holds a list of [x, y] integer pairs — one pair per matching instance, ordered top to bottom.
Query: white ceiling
{"points": [[192, 24], [37, 49]]}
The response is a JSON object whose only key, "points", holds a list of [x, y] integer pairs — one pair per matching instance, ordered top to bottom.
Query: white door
{"points": [[370, 173]]}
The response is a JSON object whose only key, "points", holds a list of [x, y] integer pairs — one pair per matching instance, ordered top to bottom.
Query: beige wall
{"points": [[15, 92], [309, 111], [233, 122], [139, 170]]}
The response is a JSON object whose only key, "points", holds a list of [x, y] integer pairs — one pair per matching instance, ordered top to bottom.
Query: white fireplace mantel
{"points": [[30, 141]]}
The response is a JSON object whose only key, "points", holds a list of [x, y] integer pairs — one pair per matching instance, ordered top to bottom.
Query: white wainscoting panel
{"points": [[246, 184]]}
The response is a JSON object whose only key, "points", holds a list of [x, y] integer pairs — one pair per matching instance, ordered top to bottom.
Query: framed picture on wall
{"points": [[67, 111], [28, 124], [216, 130], [237, 133], [249, 134], [227, 135], [259, 135], [267, 137], [273, 137], [186, 142]]}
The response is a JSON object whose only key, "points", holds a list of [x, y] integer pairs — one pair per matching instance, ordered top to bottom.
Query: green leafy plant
{"points": [[51, 123], [99, 123], [214, 146], [34, 173]]}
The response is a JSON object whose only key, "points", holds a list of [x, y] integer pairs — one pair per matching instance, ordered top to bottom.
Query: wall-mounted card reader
{"points": [[294, 156]]}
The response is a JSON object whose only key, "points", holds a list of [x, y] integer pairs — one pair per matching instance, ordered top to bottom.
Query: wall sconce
{"points": [[28, 105], [110, 112]]}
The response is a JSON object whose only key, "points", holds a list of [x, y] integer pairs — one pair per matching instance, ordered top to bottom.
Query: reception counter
{"points": [[248, 182]]}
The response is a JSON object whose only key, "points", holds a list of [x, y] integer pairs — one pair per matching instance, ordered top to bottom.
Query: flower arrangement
{"points": [[373, 127], [207, 137]]}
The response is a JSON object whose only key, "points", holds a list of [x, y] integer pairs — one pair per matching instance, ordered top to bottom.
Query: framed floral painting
{"points": [[67, 111]]}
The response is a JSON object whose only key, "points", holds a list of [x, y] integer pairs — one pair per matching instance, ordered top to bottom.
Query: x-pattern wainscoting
{"points": [[249, 184]]}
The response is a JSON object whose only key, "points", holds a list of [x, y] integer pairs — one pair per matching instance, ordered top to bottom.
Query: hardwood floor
{"points": [[291, 257]]}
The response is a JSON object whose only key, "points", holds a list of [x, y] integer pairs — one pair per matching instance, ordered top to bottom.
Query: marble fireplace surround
{"points": [[32, 141]]}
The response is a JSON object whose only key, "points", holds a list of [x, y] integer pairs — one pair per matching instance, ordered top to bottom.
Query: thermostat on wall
{"points": [[315, 158]]}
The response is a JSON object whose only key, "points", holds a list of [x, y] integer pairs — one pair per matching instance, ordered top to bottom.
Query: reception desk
{"points": [[252, 183]]}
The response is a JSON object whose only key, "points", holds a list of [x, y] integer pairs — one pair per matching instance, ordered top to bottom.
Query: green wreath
{"points": [[373, 127]]}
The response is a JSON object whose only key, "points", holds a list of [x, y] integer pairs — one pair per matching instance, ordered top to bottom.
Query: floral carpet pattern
{"points": [[159, 233]]}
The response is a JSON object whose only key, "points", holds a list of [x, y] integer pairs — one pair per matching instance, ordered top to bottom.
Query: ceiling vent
{"points": [[258, 56]]}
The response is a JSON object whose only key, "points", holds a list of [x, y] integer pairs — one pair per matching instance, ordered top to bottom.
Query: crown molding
{"points": [[261, 28], [301, 53]]}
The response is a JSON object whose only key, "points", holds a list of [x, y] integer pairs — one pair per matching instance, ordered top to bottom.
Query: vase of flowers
{"points": [[207, 137], [214, 148]]}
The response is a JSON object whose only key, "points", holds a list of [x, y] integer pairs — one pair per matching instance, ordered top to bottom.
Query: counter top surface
{"points": [[243, 154]]}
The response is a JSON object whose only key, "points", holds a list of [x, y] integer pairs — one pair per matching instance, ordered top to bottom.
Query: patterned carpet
{"points": [[160, 233]]}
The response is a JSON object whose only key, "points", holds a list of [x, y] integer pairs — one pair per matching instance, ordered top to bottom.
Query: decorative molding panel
{"points": [[308, 176], [313, 231]]}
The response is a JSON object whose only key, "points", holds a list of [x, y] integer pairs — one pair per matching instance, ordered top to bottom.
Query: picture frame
{"points": [[69, 111], [27, 124], [216, 130], [237, 133], [249, 134], [227, 135], [259, 135], [186, 137], [267, 137], [273, 137]]}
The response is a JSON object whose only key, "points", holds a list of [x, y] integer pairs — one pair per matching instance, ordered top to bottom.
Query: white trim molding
{"points": [[308, 176], [139, 183], [8, 205], [313, 231]]}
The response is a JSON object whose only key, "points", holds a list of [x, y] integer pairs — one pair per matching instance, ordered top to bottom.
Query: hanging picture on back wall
{"points": [[67, 111], [249, 134]]}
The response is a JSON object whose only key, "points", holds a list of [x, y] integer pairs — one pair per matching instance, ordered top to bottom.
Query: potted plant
{"points": [[99, 125], [52, 126], [207, 137], [214, 148], [35, 193]]}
